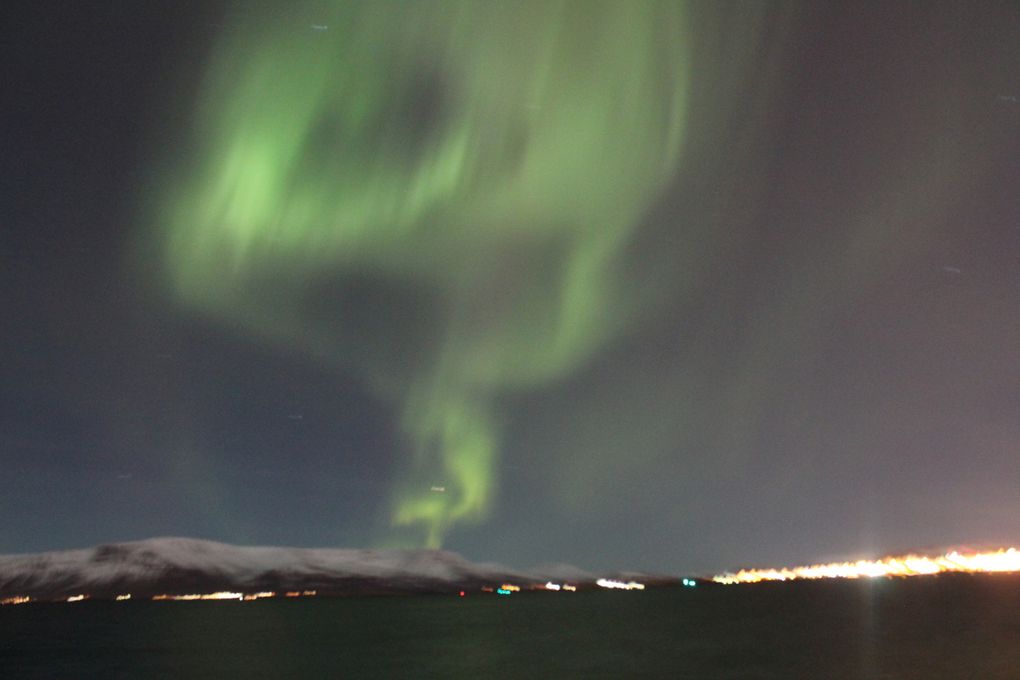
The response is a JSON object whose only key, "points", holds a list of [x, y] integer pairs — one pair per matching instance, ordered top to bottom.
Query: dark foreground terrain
{"points": [[949, 627]]}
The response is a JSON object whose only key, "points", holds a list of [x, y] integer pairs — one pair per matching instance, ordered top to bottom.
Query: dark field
{"points": [[957, 627]]}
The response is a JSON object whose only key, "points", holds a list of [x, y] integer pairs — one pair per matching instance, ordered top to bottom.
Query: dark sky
{"points": [[824, 360]]}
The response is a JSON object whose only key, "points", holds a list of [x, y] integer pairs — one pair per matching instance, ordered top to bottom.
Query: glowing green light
{"points": [[432, 194]]}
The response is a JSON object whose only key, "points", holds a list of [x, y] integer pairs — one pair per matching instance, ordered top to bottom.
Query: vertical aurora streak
{"points": [[433, 196]]}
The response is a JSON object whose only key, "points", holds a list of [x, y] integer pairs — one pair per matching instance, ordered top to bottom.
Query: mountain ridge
{"points": [[179, 565]]}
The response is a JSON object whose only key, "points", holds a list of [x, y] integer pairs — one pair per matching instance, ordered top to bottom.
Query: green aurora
{"points": [[433, 196]]}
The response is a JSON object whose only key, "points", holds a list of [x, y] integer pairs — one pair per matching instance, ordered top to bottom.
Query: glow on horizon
{"points": [[1004, 560]]}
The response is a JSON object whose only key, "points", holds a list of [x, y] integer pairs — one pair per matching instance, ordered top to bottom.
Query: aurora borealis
{"points": [[493, 159], [678, 286]]}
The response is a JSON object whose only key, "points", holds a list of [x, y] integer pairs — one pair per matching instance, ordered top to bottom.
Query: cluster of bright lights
{"points": [[999, 561], [689, 583], [619, 585], [510, 588], [504, 589], [222, 595], [244, 597], [17, 599]]}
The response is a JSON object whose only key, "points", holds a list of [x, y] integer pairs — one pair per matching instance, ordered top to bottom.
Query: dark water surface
{"points": [[944, 627]]}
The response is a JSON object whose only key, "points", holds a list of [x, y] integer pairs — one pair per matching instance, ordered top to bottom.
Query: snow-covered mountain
{"points": [[186, 565]]}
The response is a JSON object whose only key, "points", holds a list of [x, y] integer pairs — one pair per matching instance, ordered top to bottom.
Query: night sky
{"points": [[674, 287]]}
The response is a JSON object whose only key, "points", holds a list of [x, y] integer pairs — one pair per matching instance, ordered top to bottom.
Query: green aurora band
{"points": [[435, 196]]}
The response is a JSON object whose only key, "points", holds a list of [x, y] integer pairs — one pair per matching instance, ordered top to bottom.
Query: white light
{"points": [[620, 585]]}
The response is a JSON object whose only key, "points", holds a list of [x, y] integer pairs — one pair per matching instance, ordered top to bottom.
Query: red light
{"points": [[462, 593]]}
